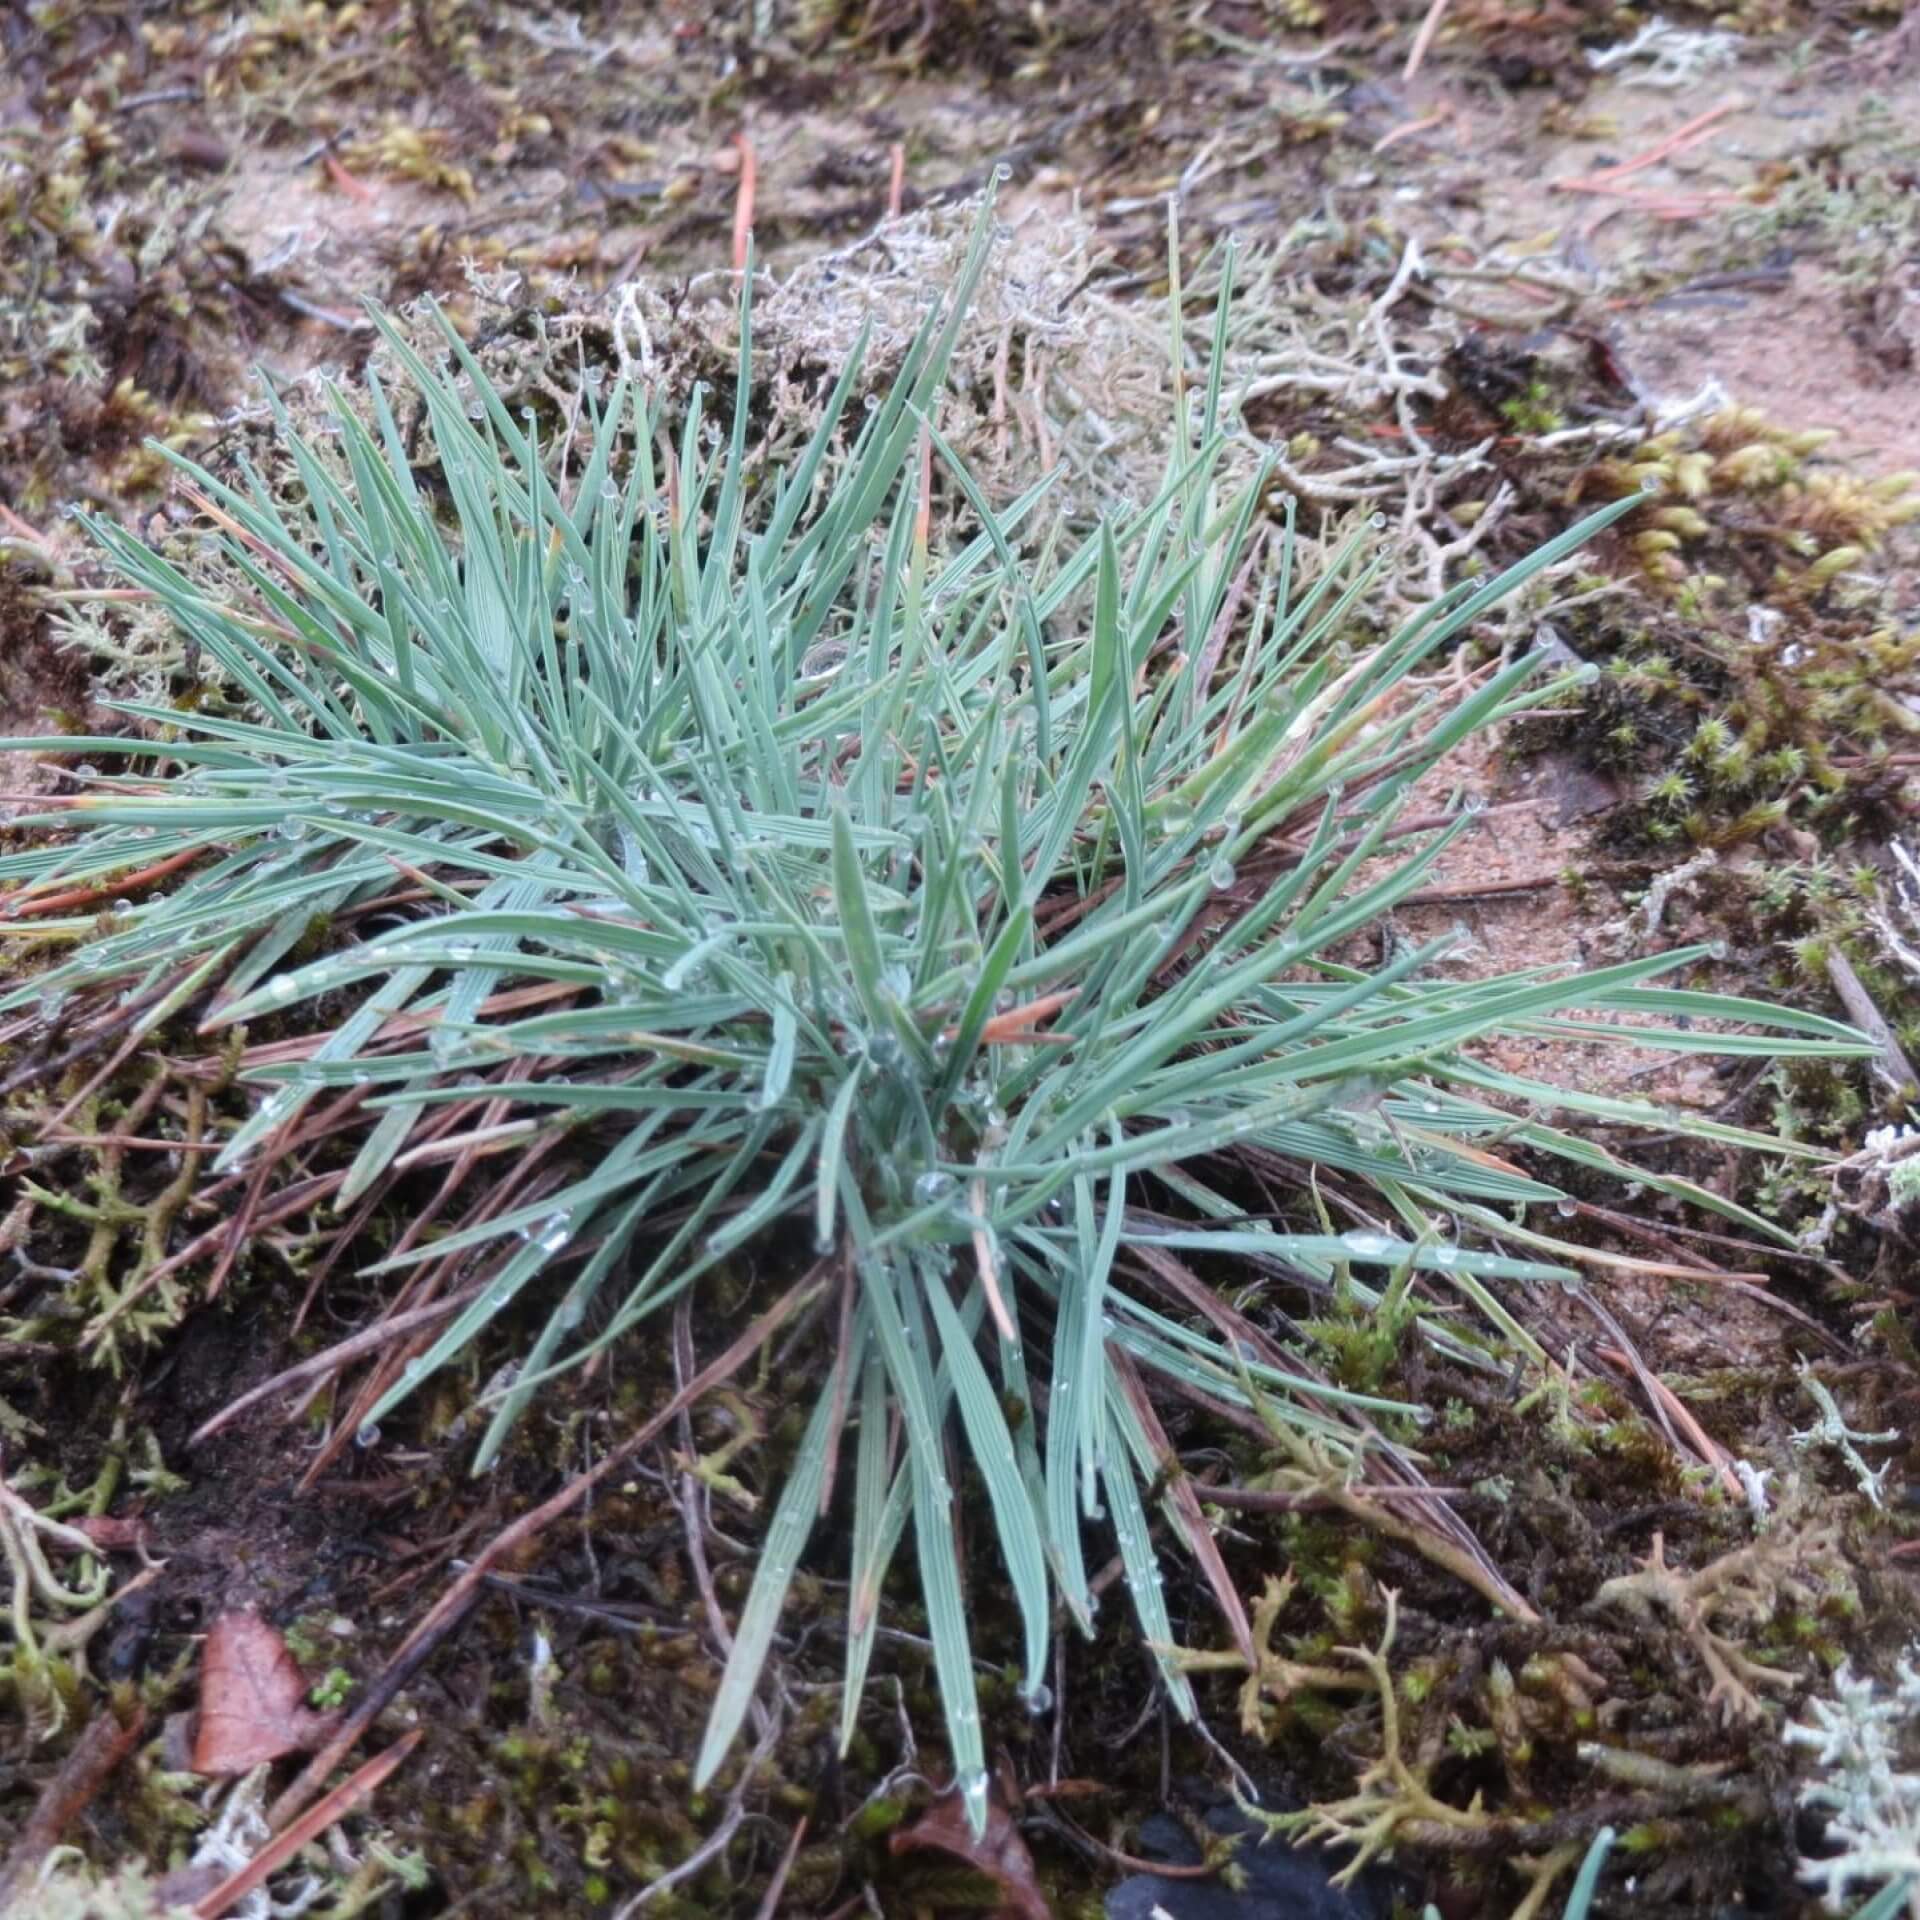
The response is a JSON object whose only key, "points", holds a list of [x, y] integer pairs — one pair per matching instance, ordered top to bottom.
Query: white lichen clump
{"points": [[1859, 1739]]}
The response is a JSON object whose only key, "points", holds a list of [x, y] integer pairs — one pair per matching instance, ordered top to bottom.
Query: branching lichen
{"points": [[1861, 1739]]}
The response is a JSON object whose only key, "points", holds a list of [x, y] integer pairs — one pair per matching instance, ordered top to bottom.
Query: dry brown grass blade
{"points": [[1423, 40], [79, 899], [370, 1340], [1193, 1523], [1427, 1523], [283, 1846]]}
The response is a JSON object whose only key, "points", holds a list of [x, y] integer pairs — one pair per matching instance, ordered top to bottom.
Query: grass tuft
{"points": [[762, 880]]}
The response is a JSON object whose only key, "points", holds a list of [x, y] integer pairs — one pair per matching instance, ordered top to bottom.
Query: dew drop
{"points": [[1220, 875], [932, 1187], [1565, 1209], [366, 1435], [973, 1791]]}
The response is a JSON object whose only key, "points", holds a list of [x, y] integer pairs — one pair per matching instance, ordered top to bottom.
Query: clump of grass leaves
{"points": [[930, 911]]}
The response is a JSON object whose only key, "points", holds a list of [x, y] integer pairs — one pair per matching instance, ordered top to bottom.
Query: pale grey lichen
{"points": [[1832, 1430], [1861, 1739]]}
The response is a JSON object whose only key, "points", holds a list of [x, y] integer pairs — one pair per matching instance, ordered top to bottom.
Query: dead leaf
{"points": [[113, 1533], [253, 1698], [1000, 1852]]}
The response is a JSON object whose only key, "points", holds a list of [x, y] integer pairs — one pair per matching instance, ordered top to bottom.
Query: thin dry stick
{"points": [[1424, 38], [1408, 128], [1678, 141], [896, 193], [1482, 889], [80, 898], [1866, 1015], [1709, 1449], [1267, 1500], [448, 1610], [95, 1755], [718, 1841], [279, 1850], [769, 1907]]}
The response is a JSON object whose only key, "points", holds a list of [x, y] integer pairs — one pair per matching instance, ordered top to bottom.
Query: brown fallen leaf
{"points": [[115, 1533], [253, 1698], [1000, 1852]]}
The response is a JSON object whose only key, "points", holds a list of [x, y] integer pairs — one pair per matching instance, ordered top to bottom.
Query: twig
{"points": [[1424, 38], [159, 97], [1408, 128], [1602, 179], [1480, 889], [80, 898], [1861, 1010], [382, 1334], [1670, 1403], [1267, 1500], [95, 1755], [336, 1806], [1072, 1831], [717, 1842], [769, 1907]]}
